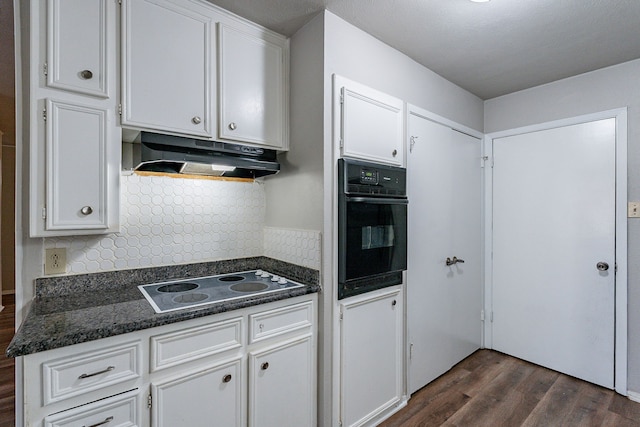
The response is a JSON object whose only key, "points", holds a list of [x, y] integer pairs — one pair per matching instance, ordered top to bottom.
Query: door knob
{"points": [[455, 260], [602, 266]]}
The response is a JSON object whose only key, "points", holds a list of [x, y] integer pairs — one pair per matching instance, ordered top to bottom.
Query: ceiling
{"points": [[490, 49]]}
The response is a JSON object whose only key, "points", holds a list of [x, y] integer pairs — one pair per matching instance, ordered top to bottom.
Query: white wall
{"points": [[609, 88]]}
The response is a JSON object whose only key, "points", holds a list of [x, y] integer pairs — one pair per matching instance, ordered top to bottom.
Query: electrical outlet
{"points": [[633, 210], [55, 261]]}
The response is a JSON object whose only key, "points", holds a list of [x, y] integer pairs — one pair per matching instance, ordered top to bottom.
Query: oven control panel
{"points": [[368, 176], [370, 179]]}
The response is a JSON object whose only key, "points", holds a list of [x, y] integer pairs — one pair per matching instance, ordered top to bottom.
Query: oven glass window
{"points": [[378, 236], [376, 239]]}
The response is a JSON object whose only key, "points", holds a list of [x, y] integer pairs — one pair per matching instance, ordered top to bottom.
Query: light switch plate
{"points": [[633, 210], [55, 261]]}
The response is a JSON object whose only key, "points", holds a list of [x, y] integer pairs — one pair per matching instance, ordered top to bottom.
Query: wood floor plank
{"points": [[495, 390]]}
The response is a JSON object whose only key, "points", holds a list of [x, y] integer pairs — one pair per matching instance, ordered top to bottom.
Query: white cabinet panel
{"points": [[79, 35], [167, 63], [251, 88], [371, 123], [77, 151], [277, 322], [181, 346], [372, 354], [282, 375], [73, 376], [211, 397], [121, 411]]}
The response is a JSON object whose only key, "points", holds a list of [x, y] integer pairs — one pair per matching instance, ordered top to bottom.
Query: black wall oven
{"points": [[372, 226]]}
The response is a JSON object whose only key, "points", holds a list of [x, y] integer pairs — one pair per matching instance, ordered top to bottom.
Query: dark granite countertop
{"points": [[70, 310]]}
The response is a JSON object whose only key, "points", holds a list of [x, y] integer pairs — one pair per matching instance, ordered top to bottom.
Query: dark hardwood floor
{"points": [[7, 370], [493, 389]]}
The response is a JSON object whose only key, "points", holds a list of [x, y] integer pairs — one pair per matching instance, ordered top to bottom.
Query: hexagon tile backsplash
{"points": [[176, 221]]}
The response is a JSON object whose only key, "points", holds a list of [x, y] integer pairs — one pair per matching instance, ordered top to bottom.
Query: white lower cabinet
{"points": [[372, 356], [210, 371], [279, 374], [211, 397], [122, 410]]}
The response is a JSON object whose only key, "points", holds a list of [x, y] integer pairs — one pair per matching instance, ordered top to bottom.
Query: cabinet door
{"points": [[79, 42], [167, 67], [251, 88], [371, 123], [77, 151], [443, 302], [371, 355], [281, 385], [211, 397]]}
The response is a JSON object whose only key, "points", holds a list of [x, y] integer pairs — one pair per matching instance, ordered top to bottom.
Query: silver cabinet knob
{"points": [[86, 74], [196, 120], [232, 126], [394, 152], [86, 210], [602, 266], [264, 366], [226, 378]]}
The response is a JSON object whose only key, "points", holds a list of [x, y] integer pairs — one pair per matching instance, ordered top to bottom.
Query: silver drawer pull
{"points": [[86, 74], [86, 210], [104, 371], [106, 421]]}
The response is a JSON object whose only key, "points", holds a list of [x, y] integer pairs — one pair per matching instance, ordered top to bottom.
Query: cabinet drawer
{"points": [[280, 321], [194, 343], [72, 376], [120, 410]]}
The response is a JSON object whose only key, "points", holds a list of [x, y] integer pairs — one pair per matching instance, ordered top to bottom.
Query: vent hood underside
{"points": [[180, 155]]}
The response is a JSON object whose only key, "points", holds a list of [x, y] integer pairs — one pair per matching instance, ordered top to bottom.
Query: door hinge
{"points": [[45, 68], [341, 99], [120, 109], [44, 114], [341, 143], [483, 160], [44, 212], [615, 267], [482, 315], [341, 316], [491, 317], [410, 351], [149, 401]]}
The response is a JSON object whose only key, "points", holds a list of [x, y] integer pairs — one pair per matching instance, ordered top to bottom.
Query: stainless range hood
{"points": [[180, 155]]}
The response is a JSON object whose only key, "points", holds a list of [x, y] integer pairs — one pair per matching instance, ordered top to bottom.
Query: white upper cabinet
{"points": [[77, 45], [169, 54], [167, 63], [252, 82], [370, 123], [75, 141], [77, 149]]}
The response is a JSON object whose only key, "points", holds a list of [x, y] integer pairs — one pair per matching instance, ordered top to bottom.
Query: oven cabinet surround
{"points": [[213, 76], [371, 123], [74, 138], [372, 355], [254, 366]]}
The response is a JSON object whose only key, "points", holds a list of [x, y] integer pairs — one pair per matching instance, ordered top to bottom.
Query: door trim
{"points": [[621, 319]]}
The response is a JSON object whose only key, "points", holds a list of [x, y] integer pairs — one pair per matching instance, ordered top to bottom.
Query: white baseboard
{"points": [[635, 396]]}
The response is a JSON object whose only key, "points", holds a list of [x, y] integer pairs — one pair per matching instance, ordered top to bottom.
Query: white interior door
{"points": [[553, 223], [443, 302]]}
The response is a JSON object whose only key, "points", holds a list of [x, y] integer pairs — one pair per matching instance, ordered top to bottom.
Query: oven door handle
{"points": [[378, 200]]}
